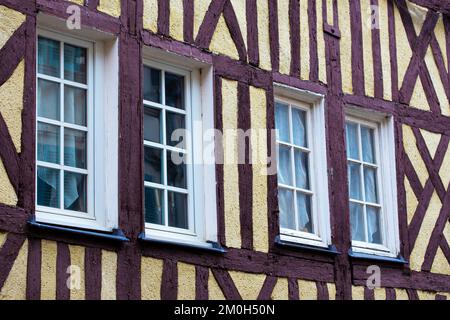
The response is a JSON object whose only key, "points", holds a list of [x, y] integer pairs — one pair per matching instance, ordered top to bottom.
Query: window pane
{"points": [[49, 57], [75, 63], [152, 85], [174, 90], [48, 99], [75, 106], [173, 122], [282, 122], [152, 125], [299, 127], [352, 141], [48, 143], [367, 145], [75, 148], [152, 165], [285, 166], [176, 170], [301, 170], [354, 181], [370, 184], [48, 187], [75, 192], [177, 205], [154, 206], [287, 212], [305, 222], [357, 222], [373, 225]]}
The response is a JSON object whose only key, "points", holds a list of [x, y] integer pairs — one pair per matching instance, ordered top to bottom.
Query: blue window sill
{"points": [[116, 235], [214, 248], [331, 250], [372, 257]]}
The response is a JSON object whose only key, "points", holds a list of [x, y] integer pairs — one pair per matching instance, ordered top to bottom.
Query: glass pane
{"points": [[49, 57], [75, 63], [152, 85], [174, 90], [48, 99], [75, 106], [173, 122], [282, 122], [152, 125], [299, 127], [352, 141], [48, 143], [367, 145], [75, 148], [152, 165], [285, 166], [176, 170], [301, 170], [354, 181], [370, 184], [48, 187], [75, 192], [154, 206], [177, 207], [287, 211], [305, 222], [357, 222], [373, 225]]}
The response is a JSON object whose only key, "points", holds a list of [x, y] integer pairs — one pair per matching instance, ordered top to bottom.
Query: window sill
{"points": [[116, 235], [287, 244], [213, 247], [373, 257]]}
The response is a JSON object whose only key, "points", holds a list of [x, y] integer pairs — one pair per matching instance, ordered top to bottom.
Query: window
{"points": [[68, 131], [302, 171], [174, 174], [371, 178]]}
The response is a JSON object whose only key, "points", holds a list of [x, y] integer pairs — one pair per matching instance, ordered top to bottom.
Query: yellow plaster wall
{"points": [[79, 2], [111, 7], [239, 7], [200, 9], [151, 15], [176, 19], [10, 21], [263, 35], [284, 36], [304, 41], [222, 42], [321, 44], [346, 46], [367, 47], [384, 48], [437, 82], [432, 141], [409, 142], [444, 172], [7, 194], [411, 201], [3, 236], [77, 261], [109, 269], [48, 270], [151, 275], [186, 281], [248, 284], [15, 285], [281, 290], [307, 290], [214, 291], [331, 291], [357, 293], [379, 294], [401, 294]]}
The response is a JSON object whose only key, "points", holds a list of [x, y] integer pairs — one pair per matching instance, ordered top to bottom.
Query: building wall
{"points": [[327, 47]]}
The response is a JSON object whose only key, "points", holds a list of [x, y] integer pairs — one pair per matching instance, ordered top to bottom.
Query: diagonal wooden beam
{"points": [[437, 5], [208, 26], [235, 31], [12, 53], [9, 156], [8, 255], [226, 284], [267, 288]]}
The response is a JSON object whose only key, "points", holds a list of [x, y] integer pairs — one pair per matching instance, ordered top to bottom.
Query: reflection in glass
{"points": [[49, 57], [75, 63], [152, 85], [174, 90], [48, 99], [75, 106], [175, 121], [282, 121], [152, 125], [299, 127], [352, 141], [48, 143], [367, 145], [75, 148], [152, 165], [285, 166], [176, 170], [301, 170], [354, 181], [370, 184], [48, 187], [75, 191], [286, 204], [154, 206], [177, 209], [304, 213], [357, 222], [373, 225]]}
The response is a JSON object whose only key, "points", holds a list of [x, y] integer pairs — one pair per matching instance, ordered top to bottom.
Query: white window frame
{"points": [[314, 106], [102, 134], [384, 139], [201, 176]]}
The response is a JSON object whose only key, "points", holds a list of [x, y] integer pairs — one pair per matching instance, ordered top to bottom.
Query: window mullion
{"points": [[61, 128]]}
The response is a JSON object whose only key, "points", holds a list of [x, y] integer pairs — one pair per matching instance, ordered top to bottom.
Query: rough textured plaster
{"points": [[79, 2], [111, 7], [239, 7], [200, 9], [330, 14], [151, 15], [418, 15], [176, 19], [10, 20], [439, 31], [263, 35], [284, 35], [222, 42], [304, 42], [321, 44], [346, 46], [367, 48], [384, 48], [404, 51], [437, 82], [418, 99], [11, 104], [432, 140], [409, 142], [259, 156], [444, 172], [231, 175], [7, 194], [411, 201], [423, 238], [77, 260], [440, 263], [109, 269], [48, 270], [151, 270], [186, 281], [248, 284], [15, 285], [281, 290], [307, 290], [214, 291], [331, 291], [357, 293], [380, 294], [401, 294], [426, 295]]}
